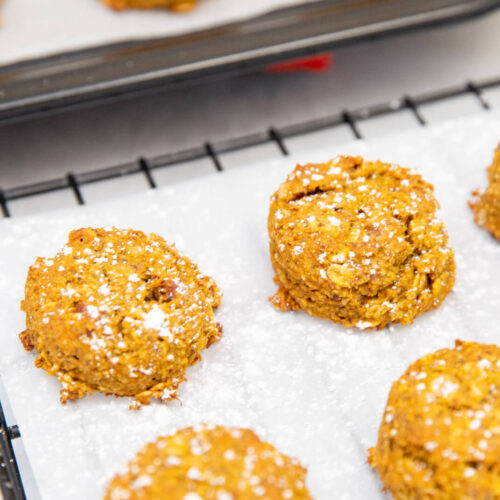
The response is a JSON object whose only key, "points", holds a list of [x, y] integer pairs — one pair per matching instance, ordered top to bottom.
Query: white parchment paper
{"points": [[36, 28], [314, 389]]}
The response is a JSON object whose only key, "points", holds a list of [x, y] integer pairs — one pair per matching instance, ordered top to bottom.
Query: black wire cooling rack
{"points": [[212, 150], [11, 483]]}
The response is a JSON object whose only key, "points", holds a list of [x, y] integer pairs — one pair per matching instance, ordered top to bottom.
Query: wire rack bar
{"points": [[479, 94], [410, 104], [350, 120], [275, 136], [211, 153], [146, 169], [73, 184], [3, 204], [11, 485]]}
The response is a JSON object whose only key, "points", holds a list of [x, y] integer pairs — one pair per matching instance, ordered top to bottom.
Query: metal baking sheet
{"points": [[56, 26], [112, 71], [313, 388]]}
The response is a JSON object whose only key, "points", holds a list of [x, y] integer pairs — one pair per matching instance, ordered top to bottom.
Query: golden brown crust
{"points": [[175, 5], [486, 205], [359, 243], [282, 300], [120, 312], [440, 434], [210, 463]]}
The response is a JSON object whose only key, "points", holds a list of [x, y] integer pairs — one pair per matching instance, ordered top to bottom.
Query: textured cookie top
{"points": [[486, 205], [351, 226], [120, 311], [440, 433], [210, 463]]}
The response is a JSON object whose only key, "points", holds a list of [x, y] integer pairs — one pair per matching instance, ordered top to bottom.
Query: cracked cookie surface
{"points": [[486, 205], [358, 243], [120, 312], [440, 432], [210, 463]]}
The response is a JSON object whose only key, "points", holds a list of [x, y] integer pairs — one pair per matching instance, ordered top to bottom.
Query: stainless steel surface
{"points": [[109, 71], [364, 74]]}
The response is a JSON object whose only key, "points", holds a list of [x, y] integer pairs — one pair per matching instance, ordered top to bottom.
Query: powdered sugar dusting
{"points": [[315, 390]]}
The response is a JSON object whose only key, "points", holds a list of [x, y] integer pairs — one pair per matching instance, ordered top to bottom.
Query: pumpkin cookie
{"points": [[175, 5], [486, 206], [358, 243], [120, 312], [440, 433], [210, 463]]}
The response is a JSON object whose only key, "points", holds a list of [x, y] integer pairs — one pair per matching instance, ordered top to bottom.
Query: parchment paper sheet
{"points": [[36, 28], [314, 389]]}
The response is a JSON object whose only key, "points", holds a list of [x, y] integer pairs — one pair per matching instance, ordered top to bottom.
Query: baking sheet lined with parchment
{"points": [[33, 29], [314, 389]]}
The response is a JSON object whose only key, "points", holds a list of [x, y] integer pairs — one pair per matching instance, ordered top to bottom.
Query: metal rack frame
{"points": [[212, 151], [10, 480], [11, 484]]}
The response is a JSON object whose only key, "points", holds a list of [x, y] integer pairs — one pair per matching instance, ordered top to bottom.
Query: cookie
{"points": [[175, 5], [486, 205], [358, 243], [119, 312], [440, 433], [210, 463]]}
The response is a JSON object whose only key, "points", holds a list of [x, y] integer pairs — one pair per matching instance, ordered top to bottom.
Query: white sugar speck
{"points": [[334, 221], [103, 289], [92, 311], [155, 318], [364, 325], [484, 364], [443, 387], [475, 424], [430, 445], [173, 460], [469, 472], [194, 473], [141, 482], [120, 494], [224, 495], [192, 496]]}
